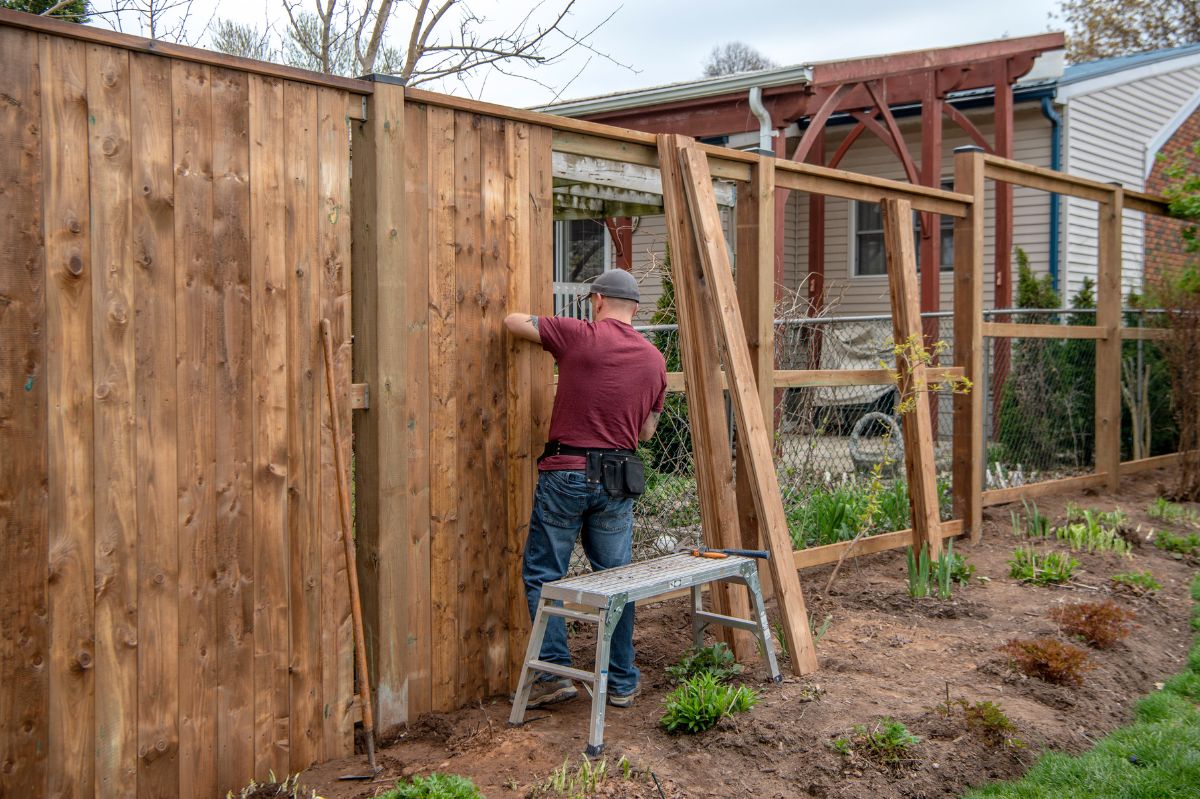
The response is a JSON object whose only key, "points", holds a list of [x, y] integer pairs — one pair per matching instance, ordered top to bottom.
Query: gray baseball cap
{"points": [[617, 283]]}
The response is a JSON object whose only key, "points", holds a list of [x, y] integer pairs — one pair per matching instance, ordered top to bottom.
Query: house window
{"points": [[581, 253], [869, 257]]}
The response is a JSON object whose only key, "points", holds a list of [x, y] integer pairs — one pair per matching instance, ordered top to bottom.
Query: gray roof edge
{"points": [[1123, 63], [683, 90]]}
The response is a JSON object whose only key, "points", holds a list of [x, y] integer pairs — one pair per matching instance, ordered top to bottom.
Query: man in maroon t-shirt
{"points": [[611, 385]]}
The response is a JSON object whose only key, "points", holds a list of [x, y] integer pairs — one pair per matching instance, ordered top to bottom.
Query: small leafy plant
{"points": [[1162, 508], [1030, 522], [1089, 534], [1187, 545], [1052, 568], [918, 572], [1138, 582], [1100, 624], [1048, 659], [716, 660], [702, 701], [986, 719], [886, 741], [577, 782], [435, 786], [290, 788]]}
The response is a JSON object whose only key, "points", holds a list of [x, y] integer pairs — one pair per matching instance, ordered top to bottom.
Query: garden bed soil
{"points": [[884, 654]]}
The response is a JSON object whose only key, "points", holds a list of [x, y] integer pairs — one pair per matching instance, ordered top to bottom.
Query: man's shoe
{"points": [[547, 692], [624, 700]]}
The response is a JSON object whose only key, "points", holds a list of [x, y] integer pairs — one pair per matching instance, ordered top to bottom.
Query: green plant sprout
{"points": [[1167, 511], [1031, 523], [1091, 535], [1187, 545], [1052, 568], [1138, 582], [715, 659], [702, 701], [886, 741], [435, 786]]}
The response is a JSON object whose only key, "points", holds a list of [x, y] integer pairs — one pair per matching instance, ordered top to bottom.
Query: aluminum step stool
{"points": [[604, 594]]}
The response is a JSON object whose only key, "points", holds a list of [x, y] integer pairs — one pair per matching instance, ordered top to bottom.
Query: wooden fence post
{"points": [[755, 275], [1108, 349], [380, 360], [912, 375], [969, 460]]}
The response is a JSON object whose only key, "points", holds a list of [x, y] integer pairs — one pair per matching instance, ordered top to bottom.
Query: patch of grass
{"points": [[1162, 508], [1187, 545], [1053, 567], [1138, 582], [1100, 624], [716, 660], [1048, 660], [700, 702], [886, 741], [1153, 758], [580, 781], [435, 786]]}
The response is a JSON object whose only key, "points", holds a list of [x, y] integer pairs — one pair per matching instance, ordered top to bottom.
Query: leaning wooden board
{"points": [[723, 314]]}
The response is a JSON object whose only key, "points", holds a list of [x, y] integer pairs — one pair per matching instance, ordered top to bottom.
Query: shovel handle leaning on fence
{"points": [[705, 552], [360, 646]]}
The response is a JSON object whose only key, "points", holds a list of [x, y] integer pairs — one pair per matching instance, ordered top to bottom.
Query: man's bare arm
{"points": [[524, 326], [649, 426]]}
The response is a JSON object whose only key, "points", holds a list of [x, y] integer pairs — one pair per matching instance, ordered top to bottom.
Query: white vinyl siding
{"points": [[1106, 139]]}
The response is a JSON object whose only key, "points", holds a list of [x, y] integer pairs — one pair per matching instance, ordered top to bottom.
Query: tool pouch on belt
{"points": [[621, 475]]}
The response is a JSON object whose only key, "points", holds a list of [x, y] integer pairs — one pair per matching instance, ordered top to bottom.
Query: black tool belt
{"points": [[620, 471]]}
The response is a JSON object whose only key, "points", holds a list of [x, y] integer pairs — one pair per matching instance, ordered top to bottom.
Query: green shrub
{"points": [[1168, 511], [1090, 535], [1053, 567], [1137, 582], [716, 660], [702, 701], [886, 741], [435, 786]]}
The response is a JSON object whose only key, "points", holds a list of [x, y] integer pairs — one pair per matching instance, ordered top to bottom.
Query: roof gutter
{"points": [[676, 92]]}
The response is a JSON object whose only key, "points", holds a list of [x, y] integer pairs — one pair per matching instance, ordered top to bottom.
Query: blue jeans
{"points": [[563, 506]]}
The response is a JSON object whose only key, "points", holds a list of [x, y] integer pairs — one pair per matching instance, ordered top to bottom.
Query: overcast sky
{"points": [[649, 42]]}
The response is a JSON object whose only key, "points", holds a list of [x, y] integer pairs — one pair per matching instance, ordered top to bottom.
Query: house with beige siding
{"points": [[1104, 120]]}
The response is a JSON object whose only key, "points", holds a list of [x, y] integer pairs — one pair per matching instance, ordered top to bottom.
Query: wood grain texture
{"points": [[111, 183], [418, 211], [67, 231], [333, 236], [269, 278], [196, 303], [726, 318], [468, 328], [379, 344], [155, 346], [1108, 349], [913, 378], [705, 397], [443, 413], [23, 424], [233, 438], [968, 457], [520, 464], [304, 542], [494, 554]]}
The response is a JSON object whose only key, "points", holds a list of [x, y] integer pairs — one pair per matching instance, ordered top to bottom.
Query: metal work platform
{"points": [[604, 595]]}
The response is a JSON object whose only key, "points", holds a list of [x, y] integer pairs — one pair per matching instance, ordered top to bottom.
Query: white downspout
{"points": [[765, 130]]}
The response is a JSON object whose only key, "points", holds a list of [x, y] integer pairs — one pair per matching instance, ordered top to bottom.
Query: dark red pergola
{"points": [[866, 89]]}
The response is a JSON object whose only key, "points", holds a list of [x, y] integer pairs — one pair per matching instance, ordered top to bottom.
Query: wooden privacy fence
{"points": [[174, 616]]}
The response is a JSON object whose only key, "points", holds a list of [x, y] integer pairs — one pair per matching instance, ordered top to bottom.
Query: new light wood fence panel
{"points": [[445, 454], [175, 615]]}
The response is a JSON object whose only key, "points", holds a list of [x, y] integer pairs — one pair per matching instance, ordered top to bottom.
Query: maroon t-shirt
{"points": [[609, 380]]}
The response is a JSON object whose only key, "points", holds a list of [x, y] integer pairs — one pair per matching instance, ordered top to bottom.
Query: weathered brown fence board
{"points": [[171, 626], [24, 637]]}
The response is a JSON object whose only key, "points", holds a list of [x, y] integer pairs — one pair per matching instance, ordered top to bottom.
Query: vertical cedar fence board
{"points": [[444, 250], [175, 618]]}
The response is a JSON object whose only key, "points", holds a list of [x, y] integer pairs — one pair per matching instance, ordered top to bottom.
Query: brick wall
{"points": [[1164, 247]]}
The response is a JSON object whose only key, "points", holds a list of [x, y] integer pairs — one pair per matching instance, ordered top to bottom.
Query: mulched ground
{"points": [[885, 654]]}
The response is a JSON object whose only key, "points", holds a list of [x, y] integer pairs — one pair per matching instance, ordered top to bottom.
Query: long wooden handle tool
{"points": [[360, 646]]}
